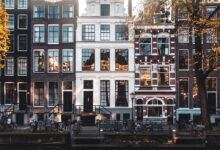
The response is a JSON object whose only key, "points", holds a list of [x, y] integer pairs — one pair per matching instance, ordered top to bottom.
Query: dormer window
{"points": [[105, 9]]}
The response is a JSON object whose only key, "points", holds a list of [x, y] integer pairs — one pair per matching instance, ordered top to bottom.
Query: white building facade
{"points": [[104, 60]]}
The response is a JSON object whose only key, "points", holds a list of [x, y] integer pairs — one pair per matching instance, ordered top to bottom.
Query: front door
{"points": [[67, 98], [22, 100], [88, 101], [140, 110]]}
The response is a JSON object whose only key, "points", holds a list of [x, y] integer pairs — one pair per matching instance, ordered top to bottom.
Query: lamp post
{"points": [[132, 106]]}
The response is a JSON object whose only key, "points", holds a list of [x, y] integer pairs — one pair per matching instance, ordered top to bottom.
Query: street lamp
{"points": [[132, 106]]}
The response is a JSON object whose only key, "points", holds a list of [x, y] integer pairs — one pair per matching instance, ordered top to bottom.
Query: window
{"points": [[9, 4], [22, 4], [105, 9], [67, 11], [209, 11], [39, 12], [53, 12], [182, 14], [22, 21], [11, 22], [88, 32], [105, 32], [121, 32], [39, 34], [53, 34], [67, 34], [183, 35], [211, 36], [22, 43], [163, 44], [11, 45], [145, 46], [88, 59], [121, 59], [183, 59], [105, 60], [53, 61], [67, 61], [39, 62], [9, 66], [22, 66], [145, 76], [163, 76], [87, 84], [211, 84], [67, 85], [105, 92], [9, 93], [53, 93], [121, 93], [183, 93], [38, 94], [196, 101], [155, 108]]}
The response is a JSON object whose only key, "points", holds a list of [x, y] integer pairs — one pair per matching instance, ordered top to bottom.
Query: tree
{"points": [[201, 23], [4, 34]]}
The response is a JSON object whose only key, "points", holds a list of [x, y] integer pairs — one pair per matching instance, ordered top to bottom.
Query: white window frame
{"points": [[7, 2], [25, 4], [36, 6], [49, 13], [26, 21], [38, 25], [68, 25], [182, 30], [48, 32], [148, 35], [163, 35], [18, 42], [188, 59], [34, 61], [72, 61], [13, 67], [18, 70], [48, 70], [182, 79], [14, 84], [48, 88], [63, 90], [38, 106]]}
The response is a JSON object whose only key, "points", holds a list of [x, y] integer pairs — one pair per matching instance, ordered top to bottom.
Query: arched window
{"points": [[155, 108]]}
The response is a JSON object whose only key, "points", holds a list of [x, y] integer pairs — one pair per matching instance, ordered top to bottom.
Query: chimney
{"points": [[130, 8]]}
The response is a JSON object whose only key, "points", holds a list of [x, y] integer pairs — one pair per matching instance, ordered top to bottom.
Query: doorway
{"points": [[67, 101], [88, 101]]}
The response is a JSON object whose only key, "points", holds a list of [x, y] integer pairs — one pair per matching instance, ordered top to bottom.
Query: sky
{"points": [[82, 5]]}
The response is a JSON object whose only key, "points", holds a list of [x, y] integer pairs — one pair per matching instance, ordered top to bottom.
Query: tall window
{"points": [[9, 4], [22, 4], [105, 9], [210, 10], [67, 11], [39, 12], [53, 12], [182, 14], [22, 21], [11, 22], [88, 32], [105, 32], [121, 32], [39, 34], [53, 34], [183, 35], [211, 35], [67, 36], [22, 43], [12, 44], [163, 45], [145, 46], [88, 59], [121, 59], [183, 59], [67, 60], [105, 60], [53, 61], [39, 62], [9, 66], [22, 66], [163, 75], [145, 76], [211, 84], [105, 92], [9, 93], [38, 93], [53, 93], [121, 93], [183, 93], [196, 102], [155, 108]]}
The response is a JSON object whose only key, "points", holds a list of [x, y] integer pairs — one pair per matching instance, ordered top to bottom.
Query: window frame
{"points": [[24, 5], [12, 6], [68, 11], [38, 12], [54, 15], [13, 16], [26, 22], [68, 25], [39, 32], [181, 32], [54, 34], [88, 35], [103, 36], [18, 42], [54, 51], [187, 59], [44, 63], [72, 64], [9, 67], [21, 69], [42, 95], [54, 100]]}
